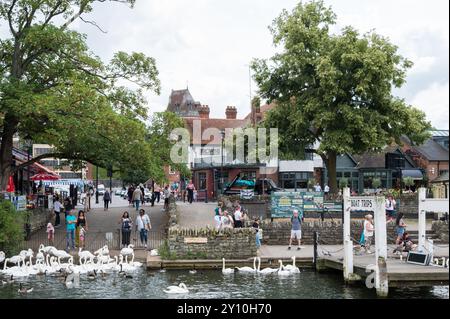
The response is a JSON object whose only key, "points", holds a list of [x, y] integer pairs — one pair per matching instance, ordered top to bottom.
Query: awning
{"points": [[415, 174]]}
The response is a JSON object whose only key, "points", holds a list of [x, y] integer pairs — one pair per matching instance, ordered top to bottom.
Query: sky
{"points": [[207, 45]]}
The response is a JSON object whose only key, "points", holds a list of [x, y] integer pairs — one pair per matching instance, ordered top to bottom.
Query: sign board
{"points": [[247, 194], [19, 202], [312, 202], [283, 203], [362, 203], [333, 206], [195, 240], [418, 258]]}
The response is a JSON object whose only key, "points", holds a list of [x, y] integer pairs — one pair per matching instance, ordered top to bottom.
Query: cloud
{"points": [[434, 101]]}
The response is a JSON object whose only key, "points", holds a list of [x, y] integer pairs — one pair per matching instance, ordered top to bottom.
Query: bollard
{"points": [[206, 196], [316, 239]]}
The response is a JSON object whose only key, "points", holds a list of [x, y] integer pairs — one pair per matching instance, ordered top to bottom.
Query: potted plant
{"points": [[408, 181], [343, 182], [376, 184]]}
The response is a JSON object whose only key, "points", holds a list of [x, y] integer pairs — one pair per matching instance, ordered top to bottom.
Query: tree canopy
{"points": [[334, 88], [56, 91]]}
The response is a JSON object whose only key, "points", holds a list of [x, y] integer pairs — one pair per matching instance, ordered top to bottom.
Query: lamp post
{"points": [[222, 133], [29, 146], [96, 185]]}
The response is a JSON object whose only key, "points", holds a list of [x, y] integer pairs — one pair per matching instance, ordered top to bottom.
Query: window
{"points": [[42, 151], [443, 172], [339, 174], [347, 174], [70, 175], [249, 175], [355, 175], [201, 181]]}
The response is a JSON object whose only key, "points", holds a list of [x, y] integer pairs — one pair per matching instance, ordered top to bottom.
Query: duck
{"points": [[292, 268], [248, 269], [226, 271], [265, 271], [282, 271], [180, 289], [24, 290]]}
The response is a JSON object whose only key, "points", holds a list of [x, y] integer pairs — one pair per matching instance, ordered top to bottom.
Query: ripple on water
{"points": [[209, 285]]}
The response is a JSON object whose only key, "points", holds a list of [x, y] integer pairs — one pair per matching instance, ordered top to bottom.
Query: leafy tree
{"points": [[334, 89], [56, 91]]}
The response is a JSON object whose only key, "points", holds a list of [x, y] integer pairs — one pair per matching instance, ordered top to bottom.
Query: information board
{"points": [[284, 203]]}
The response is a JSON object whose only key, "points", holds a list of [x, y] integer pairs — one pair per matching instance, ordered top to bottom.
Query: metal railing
{"points": [[155, 239]]}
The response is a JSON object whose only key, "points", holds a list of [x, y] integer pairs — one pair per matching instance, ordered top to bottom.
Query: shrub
{"points": [[408, 181], [343, 182], [376, 183], [11, 228], [165, 253]]}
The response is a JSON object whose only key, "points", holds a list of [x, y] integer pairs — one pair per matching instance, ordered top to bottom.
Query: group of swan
{"points": [[48, 262], [282, 270]]}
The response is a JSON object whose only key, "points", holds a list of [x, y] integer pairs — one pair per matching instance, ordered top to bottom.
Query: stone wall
{"points": [[409, 204], [38, 218], [441, 230], [330, 233], [212, 244]]}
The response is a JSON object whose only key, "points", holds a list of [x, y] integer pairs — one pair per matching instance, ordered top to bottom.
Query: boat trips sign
{"points": [[283, 203], [362, 203]]}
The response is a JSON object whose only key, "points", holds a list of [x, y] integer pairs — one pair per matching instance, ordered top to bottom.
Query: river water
{"points": [[210, 285]]}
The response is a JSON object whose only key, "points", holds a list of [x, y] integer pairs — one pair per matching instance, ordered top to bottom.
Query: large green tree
{"points": [[334, 88], [56, 91]]}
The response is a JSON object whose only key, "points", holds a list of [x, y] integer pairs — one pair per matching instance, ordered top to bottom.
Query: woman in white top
{"points": [[238, 217], [226, 221], [143, 226], [368, 232]]}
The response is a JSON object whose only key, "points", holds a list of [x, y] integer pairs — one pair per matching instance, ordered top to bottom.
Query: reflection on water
{"points": [[210, 285]]}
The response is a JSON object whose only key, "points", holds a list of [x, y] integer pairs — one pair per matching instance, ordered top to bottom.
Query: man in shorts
{"points": [[296, 230]]}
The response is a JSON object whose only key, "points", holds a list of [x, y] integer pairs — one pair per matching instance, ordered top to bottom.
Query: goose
{"points": [[2, 256], [292, 268], [248, 269], [226, 271], [265, 271], [281, 271], [92, 275], [8, 281], [181, 289], [24, 290]]}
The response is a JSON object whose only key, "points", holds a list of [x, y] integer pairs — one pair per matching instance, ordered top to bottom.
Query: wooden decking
{"points": [[399, 272]]}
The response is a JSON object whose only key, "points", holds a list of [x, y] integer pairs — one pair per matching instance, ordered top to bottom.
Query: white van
{"points": [[101, 189]]}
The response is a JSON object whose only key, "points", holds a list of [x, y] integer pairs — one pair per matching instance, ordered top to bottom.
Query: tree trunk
{"points": [[6, 149], [331, 167]]}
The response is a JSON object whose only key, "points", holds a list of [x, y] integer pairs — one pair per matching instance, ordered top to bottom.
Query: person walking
{"points": [[141, 187], [190, 190], [157, 193], [130, 195], [137, 196], [166, 197], [106, 200], [391, 206], [57, 209], [218, 214], [226, 221], [71, 222], [81, 223], [126, 224], [143, 226], [296, 229], [368, 232], [50, 233]]}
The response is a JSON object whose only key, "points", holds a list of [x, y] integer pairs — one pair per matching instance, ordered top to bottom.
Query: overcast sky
{"points": [[208, 44]]}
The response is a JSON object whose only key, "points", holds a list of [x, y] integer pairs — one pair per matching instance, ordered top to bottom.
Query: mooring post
{"points": [[422, 219], [316, 239], [348, 245], [430, 249], [381, 277]]}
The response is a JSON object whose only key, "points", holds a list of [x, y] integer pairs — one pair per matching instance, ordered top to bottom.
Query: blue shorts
{"points": [[390, 213], [400, 231]]}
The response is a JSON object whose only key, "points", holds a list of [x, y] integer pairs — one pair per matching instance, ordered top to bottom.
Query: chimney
{"points": [[204, 112], [231, 113]]}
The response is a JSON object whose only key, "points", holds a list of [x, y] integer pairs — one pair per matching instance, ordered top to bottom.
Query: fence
{"points": [[155, 239]]}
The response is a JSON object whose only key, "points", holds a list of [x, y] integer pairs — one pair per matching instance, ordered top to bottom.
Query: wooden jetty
{"points": [[399, 272]]}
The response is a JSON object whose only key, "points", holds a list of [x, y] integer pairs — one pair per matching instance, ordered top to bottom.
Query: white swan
{"points": [[48, 249], [102, 251], [128, 252], [154, 252], [85, 255], [2, 256], [16, 259], [292, 268], [248, 269], [226, 271], [265, 271], [281, 271], [181, 289]]}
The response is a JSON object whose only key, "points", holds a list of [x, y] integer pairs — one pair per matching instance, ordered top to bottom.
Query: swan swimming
{"points": [[292, 268], [248, 269], [226, 271], [265, 271], [282, 271], [181, 289]]}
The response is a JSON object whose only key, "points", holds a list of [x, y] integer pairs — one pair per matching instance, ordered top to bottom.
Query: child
{"points": [[50, 233], [82, 236]]}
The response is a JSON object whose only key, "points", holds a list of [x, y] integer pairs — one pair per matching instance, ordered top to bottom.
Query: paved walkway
{"points": [[196, 215]]}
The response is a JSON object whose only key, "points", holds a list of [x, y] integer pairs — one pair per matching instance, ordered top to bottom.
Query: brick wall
{"points": [[441, 230], [330, 233]]}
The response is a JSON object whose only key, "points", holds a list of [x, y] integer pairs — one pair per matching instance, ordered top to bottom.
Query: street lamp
{"points": [[222, 134], [28, 143], [96, 185]]}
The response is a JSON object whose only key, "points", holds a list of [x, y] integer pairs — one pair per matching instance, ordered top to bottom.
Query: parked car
{"points": [[118, 192], [147, 195]]}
